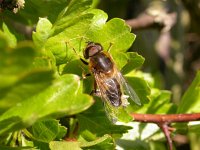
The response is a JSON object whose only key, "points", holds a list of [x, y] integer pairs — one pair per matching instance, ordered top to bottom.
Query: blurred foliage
{"points": [[45, 103]]}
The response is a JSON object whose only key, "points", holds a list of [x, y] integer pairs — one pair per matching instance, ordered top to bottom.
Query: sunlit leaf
{"points": [[43, 32], [12, 41], [57, 100], [63, 145]]}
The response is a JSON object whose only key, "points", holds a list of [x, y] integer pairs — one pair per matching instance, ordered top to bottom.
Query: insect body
{"points": [[111, 85]]}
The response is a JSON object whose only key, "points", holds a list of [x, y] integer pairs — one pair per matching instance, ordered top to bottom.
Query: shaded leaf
{"points": [[17, 60], [134, 61], [141, 88], [190, 102], [159, 103], [96, 121], [194, 127], [47, 130], [101, 143], [129, 145], [16, 148]]}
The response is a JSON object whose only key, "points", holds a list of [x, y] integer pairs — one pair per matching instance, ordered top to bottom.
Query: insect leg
{"points": [[83, 61], [84, 76], [95, 91]]}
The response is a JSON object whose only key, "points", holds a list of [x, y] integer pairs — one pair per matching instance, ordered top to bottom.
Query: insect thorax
{"points": [[102, 63]]}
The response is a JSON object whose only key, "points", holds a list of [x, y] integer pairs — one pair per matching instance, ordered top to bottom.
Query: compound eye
{"points": [[99, 47], [93, 50], [90, 51]]}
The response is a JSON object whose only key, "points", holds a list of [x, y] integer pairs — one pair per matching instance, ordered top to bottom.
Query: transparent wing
{"points": [[128, 90], [111, 111]]}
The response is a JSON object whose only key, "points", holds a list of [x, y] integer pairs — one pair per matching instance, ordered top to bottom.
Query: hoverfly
{"points": [[110, 85]]}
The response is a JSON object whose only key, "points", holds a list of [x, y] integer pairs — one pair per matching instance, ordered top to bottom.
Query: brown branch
{"points": [[162, 21], [141, 22], [23, 29], [156, 118], [163, 121]]}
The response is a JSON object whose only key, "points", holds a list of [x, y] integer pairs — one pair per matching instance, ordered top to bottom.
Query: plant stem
{"points": [[165, 128]]}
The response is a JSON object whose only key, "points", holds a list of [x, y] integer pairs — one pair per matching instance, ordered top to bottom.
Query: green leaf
{"points": [[38, 8], [72, 15], [90, 26], [43, 32], [115, 32], [113, 35], [11, 39], [3, 43], [14, 61], [134, 61], [75, 67], [21, 74], [27, 85], [141, 88], [61, 98], [190, 102], [159, 103], [115, 114], [96, 121], [194, 127], [47, 130], [140, 132], [194, 141], [101, 143], [137, 144], [63, 145], [155, 145], [16, 148]]}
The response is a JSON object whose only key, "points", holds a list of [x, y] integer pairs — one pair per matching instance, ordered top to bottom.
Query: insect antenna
{"points": [[110, 46], [80, 57]]}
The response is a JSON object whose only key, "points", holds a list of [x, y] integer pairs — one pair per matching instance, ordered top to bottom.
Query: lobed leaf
{"points": [[42, 33], [70, 33], [134, 61], [159, 103], [96, 121], [47, 130], [101, 143]]}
